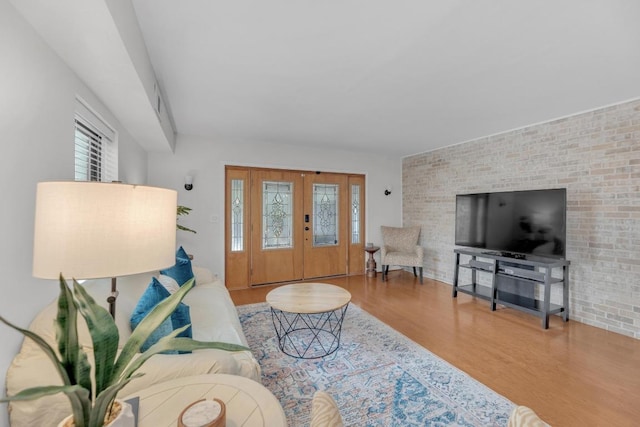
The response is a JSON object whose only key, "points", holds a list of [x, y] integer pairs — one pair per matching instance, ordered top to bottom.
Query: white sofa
{"points": [[213, 318]]}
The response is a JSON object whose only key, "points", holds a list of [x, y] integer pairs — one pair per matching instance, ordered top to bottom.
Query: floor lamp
{"points": [[89, 230]]}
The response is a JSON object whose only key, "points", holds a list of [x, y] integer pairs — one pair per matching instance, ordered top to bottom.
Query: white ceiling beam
{"points": [[101, 42]]}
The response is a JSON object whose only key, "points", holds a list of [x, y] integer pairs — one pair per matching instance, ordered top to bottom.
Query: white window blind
{"points": [[96, 149]]}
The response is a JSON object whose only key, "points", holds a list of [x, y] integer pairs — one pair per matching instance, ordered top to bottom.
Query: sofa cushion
{"points": [[182, 270], [154, 294]]}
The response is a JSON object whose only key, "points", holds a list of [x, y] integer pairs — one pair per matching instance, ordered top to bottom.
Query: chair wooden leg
{"points": [[385, 269], [420, 270], [414, 272]]}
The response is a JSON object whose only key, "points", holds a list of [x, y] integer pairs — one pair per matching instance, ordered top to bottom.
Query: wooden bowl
{"points": [[206, 419]]}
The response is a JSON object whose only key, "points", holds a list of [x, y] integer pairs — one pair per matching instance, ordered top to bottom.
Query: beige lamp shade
{"points": [[88, 230]]}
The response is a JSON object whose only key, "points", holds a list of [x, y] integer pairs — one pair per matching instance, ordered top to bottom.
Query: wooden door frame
{"points": [[237, 263]]}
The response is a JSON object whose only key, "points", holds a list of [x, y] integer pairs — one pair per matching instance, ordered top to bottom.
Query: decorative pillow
{"points": [[182, 270], [169, 283], [155, 293], [163, 330], [324, 411], [523, 416]]}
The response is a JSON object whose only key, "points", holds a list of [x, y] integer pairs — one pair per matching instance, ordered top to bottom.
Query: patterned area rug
{"points": [[378, 377]]}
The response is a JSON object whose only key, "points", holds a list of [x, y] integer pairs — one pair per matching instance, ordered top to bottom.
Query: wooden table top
{"points": [[308, 298], [248, 403]]}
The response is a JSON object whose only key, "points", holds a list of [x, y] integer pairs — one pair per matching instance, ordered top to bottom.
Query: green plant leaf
{"points": [[183, 210], [183, 228], [149, 324], [104, 335], [172, 342], [188, 344], [72, 357], [38, 392], [77, 395], [104, 401], [80, 405]]}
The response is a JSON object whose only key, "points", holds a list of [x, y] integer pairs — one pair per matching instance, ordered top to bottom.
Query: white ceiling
{"points": [[392, 76], [396, 76]]}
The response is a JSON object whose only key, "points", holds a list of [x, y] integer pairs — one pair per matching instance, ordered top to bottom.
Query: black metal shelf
{"points": [[472, 267], [534, 271], [527, 279], [483, 292], [530, 305]]}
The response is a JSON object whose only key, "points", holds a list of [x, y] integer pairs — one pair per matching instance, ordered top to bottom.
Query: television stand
{"points": [[509, 276]]}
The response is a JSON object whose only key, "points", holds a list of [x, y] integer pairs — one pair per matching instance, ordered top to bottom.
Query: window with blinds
{"points": [[96, 153]]}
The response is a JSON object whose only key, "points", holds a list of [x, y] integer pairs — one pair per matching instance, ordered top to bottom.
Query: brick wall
{"points": [[595, 156]]}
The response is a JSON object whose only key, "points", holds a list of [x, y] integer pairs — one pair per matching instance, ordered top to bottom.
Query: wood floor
{"points": [[571, 374]]}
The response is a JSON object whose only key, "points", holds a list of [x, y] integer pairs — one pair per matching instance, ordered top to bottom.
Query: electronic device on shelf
{"points": [[513, 223], [488, 266], [522, 272]]}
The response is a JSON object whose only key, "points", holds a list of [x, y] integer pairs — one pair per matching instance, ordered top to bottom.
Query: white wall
{"points": [[37, 94], [206, 159]]}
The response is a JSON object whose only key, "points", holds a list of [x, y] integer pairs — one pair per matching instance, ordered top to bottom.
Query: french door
{"points": [[326, 213], [276, 223], [285, 226]]}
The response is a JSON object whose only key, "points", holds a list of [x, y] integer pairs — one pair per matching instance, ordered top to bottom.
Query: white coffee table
{"points": [[308, 318], [247, 402]]}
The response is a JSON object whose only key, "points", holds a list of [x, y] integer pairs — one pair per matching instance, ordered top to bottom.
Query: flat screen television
{"points": [[514, 223]]}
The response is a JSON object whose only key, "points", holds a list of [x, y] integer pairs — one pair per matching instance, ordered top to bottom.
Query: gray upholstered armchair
{"points": [[400, 247]]}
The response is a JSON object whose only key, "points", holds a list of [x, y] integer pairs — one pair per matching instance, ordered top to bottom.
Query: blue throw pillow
{"points": [[182, 271], [155, 293], [182, 317]]}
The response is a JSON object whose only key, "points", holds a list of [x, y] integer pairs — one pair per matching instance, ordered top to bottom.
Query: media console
{"points": [[513, 281]]}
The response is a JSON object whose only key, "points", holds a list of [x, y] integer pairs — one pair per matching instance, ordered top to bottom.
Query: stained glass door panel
{"points": [[325, 214], [277, 215]]}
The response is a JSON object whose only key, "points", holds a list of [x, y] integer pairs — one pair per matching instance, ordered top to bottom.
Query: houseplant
{"points": [[183, 210], [92, 393]]}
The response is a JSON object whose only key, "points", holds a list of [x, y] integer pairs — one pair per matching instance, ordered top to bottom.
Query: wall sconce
{"points": [[188, 182], [388, 190]]}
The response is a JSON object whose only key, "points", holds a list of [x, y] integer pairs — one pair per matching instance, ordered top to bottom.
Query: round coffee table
{"points": [[308, 318], [248, 403]]}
